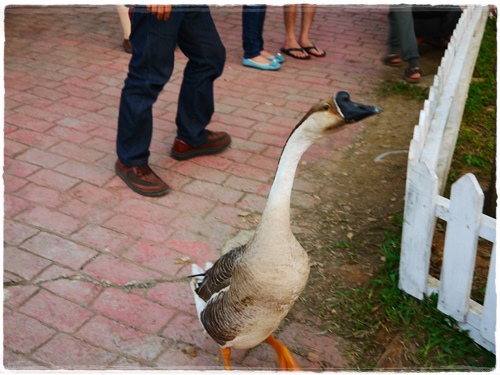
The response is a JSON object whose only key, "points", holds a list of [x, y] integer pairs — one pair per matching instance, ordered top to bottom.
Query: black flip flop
{"points": [[313, 47], [288, 50]]}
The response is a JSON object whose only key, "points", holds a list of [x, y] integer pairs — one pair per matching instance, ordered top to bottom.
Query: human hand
{"points": [[162, 12]]}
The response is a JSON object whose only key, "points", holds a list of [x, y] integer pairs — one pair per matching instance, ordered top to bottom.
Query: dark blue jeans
{"points": [[253, 17], [193, 30]]}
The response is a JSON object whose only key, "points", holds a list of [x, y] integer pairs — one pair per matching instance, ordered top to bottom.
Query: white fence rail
{"points": [[429, 159]]}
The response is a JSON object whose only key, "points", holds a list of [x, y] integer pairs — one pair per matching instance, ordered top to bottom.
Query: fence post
{"points": [[418, 228], [459, 257]]}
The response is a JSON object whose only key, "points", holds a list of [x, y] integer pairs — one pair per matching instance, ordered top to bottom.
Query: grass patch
{"points": [[407, 90], [475, 150], [430, 338]]}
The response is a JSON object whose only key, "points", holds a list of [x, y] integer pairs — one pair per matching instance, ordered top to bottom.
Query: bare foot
{"points": [[267, 55], [260, 60]]}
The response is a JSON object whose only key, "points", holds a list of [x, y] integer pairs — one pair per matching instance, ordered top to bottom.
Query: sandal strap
{"points": [[392, 59], [411, 71]]}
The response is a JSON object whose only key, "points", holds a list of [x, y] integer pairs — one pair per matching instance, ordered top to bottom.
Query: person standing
{"points": [[156, 31], [402, 42], [302, 48], [255, 56]]}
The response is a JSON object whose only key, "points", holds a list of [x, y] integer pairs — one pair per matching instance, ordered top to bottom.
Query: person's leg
{"points": [[308, 12], [253, 17], [124, 20], [249, 20], [403, 21], [125, 23], [260, 25], [252, 28], [200, 42], [291, 44], [393, 44], [393, 55], [150, 69]]}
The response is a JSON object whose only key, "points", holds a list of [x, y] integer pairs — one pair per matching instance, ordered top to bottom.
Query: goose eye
{"points": [[326, 106]]}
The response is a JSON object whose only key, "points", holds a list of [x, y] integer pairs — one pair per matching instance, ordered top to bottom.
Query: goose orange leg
{"points": [[226, 353], [285, 358]]}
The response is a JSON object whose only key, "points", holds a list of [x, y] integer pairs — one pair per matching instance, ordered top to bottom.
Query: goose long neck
{"points": [[278, 204]]}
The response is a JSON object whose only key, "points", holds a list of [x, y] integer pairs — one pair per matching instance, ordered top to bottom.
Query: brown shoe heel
{"points": [[216, 142]]}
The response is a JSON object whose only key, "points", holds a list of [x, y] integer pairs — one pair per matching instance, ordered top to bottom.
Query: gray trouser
{"points": [[402, 32]]}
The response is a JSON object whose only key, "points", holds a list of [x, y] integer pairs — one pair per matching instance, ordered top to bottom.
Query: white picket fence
{"points": [[429, 159]]}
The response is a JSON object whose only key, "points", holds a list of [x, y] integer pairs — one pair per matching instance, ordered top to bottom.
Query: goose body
{"points": [[242, 298]]}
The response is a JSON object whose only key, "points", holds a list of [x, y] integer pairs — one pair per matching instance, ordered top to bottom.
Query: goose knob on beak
{"points": [[352, 111]]}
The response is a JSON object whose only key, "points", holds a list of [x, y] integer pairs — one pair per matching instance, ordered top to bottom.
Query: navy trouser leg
{"points": [[253, 17], [199, 40], [150, 69]]}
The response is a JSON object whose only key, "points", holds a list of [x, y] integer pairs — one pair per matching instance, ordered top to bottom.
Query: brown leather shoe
{"points": [[127, 46], [216, 142], [142, 180]]}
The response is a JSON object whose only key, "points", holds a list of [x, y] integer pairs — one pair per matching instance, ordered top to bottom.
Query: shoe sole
{"points": [[195, 153], [139, 191]]}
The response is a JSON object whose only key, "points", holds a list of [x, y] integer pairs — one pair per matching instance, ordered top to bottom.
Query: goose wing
{"points": [[219, 275], [218, 312]]}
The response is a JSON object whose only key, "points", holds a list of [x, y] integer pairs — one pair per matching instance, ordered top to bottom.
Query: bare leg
{"points": [[308, 12], [290, 15], [124, 20], [226, 353], [285, 358]]}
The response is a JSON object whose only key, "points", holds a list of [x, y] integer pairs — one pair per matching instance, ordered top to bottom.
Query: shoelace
{"points": [[144, 170]]}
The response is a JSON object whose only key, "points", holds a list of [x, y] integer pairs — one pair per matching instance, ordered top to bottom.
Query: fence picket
{"points": [[416, 241], [459, 258]]}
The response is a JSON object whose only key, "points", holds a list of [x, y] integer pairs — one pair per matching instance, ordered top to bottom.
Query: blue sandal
{"points": [[278, 58]]}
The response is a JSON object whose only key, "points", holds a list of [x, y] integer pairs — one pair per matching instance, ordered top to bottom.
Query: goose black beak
{"points": [[351, 111]]}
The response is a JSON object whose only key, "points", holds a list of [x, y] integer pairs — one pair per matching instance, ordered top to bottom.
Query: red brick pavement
{"points": [[71, 221]]}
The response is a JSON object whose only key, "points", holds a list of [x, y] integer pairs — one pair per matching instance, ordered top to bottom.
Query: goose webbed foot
{"points": [[285, 358]]}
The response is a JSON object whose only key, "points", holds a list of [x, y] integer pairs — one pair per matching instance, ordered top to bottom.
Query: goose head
{"points": [[332, 114]]}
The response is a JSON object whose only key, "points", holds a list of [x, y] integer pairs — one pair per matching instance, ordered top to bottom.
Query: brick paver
{"points": [[78, 243]]}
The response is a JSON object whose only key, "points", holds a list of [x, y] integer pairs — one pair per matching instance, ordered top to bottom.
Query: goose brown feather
{"points": [[219, 275]]}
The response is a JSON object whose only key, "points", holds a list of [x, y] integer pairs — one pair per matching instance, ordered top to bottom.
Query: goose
{"points": [[242, 298]]}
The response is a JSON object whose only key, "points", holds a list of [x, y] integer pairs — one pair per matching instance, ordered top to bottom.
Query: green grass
{"points": [[402, 88], [475, 150], [432, 338]]}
